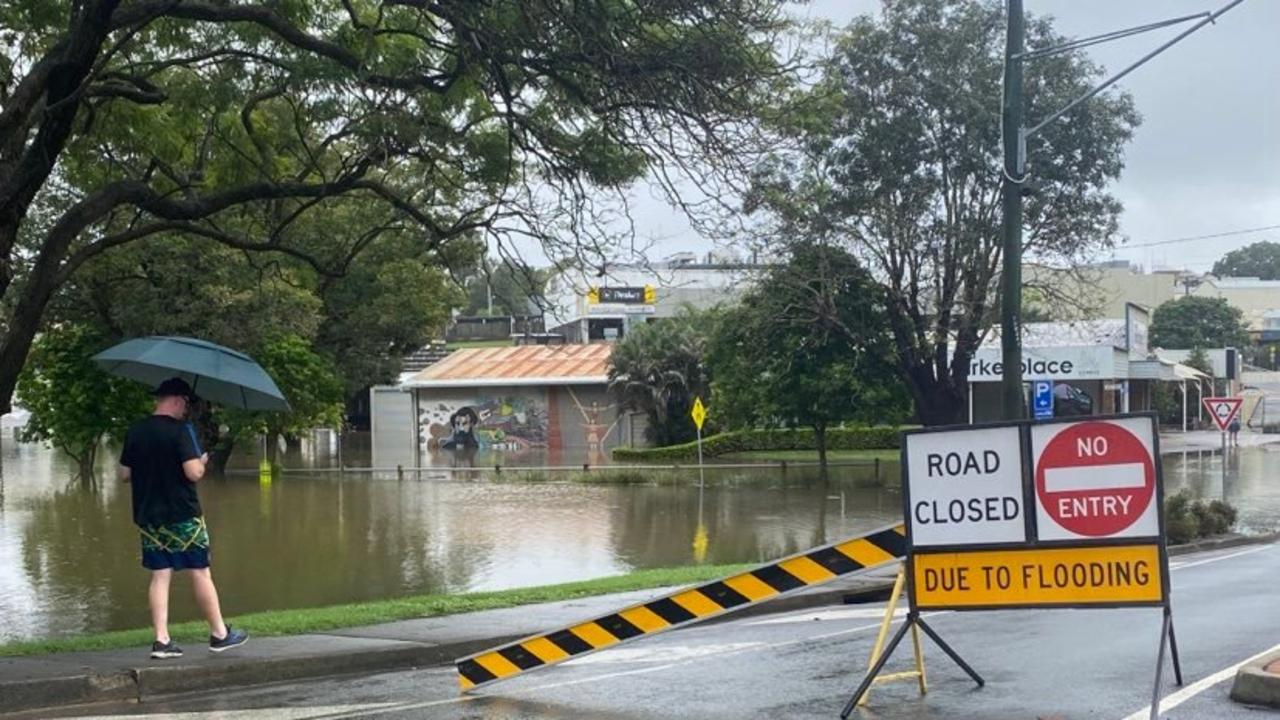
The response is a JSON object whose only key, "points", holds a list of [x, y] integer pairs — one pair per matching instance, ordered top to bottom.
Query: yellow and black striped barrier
{"points": [[685, 607]]}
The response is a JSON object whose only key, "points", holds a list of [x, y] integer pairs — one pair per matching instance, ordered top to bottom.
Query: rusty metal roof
{"points": [[519, 365]]}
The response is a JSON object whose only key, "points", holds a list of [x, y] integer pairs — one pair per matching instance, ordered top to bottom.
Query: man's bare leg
{"points": [[158, 599], [207, 600]]}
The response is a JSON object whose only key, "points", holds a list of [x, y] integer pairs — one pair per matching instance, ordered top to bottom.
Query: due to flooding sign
{"points": [[1045, 514]]}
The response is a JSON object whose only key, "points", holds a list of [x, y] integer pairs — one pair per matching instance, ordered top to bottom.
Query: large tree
{"points": [[237, 121], [895, 151], [1260, 260], [1192, 322], [808, 346], [73, 403]]}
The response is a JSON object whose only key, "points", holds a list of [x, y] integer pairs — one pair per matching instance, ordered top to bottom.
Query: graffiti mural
{"points": [[507, 422]]}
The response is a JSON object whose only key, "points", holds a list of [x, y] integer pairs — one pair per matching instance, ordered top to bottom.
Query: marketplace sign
{"points": [[1090, 362]]}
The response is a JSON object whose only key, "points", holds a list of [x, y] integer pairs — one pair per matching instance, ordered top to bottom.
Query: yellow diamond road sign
{"points": [[699, 413]]}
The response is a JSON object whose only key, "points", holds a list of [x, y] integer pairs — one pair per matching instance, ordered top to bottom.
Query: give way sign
{"points": [[1223, 410], [1096, 479]]}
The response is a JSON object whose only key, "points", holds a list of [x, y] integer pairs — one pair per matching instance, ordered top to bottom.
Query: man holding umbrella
{"points": [[163, 462]]}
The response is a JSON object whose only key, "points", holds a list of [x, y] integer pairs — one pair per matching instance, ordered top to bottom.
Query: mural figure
{"points": [[462, 423], [489, 423], [593, 428]]}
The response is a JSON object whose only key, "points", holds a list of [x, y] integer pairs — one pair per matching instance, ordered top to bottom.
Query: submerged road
{"points": [[1055, 664]]}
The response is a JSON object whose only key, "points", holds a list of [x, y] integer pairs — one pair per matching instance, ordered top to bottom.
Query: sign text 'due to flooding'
{"points": [[965, 487], [1043, 576]]}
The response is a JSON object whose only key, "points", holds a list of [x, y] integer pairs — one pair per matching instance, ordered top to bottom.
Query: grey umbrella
{"points": [[215, 373]]}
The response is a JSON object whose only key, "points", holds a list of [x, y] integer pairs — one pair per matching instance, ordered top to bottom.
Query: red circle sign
{"points": [[1095, 479]]}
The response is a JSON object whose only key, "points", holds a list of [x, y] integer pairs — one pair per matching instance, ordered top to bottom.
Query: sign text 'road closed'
{"points": [[1095, 479], [965, 487], [1117, 575]]}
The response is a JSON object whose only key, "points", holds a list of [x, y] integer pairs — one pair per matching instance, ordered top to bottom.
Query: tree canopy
{"points": [[265, 126], [894, 152], [1260, 260], [1192, 322], [809, 347], [659, 368], [73, 404]]}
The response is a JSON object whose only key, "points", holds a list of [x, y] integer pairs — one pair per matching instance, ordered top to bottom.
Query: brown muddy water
{"points": [[69, 558]]}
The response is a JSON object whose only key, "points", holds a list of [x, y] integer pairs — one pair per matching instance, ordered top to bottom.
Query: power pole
{"points": [[1015, 136], [1012, 400]]}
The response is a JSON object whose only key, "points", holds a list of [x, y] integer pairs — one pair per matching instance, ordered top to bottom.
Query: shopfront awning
{"points": [[1158, 368]]}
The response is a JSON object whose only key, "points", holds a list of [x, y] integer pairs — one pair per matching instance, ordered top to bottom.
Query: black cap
{"points": [[174, 387]]}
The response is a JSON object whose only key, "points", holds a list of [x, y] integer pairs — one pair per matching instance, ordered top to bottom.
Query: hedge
{"points": [[736, 441]]}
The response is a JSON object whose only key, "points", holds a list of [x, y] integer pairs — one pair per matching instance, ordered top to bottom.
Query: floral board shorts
{"points": [[182, 545]]}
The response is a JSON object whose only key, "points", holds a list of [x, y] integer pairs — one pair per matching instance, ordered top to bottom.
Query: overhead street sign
{"points": [[1223, 410], [1095, 479], [965, 486], [1074, 576]]}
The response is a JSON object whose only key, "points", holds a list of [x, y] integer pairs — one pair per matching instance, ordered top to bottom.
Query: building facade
{"points": [[600, 307], [545, 404]]}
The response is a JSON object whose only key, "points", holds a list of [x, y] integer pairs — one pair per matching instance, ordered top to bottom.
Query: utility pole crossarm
{"points": [[1208, 18]]}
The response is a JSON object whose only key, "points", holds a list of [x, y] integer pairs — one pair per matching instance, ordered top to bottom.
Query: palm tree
{"points": [[658, 369]]}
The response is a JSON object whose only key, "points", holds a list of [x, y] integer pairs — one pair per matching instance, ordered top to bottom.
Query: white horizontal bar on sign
{"points": [[1094, 477]]}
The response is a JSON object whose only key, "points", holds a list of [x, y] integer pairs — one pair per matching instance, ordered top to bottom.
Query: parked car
{"points": [[1071, 401]]}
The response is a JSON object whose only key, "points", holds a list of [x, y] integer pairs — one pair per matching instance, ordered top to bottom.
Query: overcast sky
{"points": [[1206, 158]]}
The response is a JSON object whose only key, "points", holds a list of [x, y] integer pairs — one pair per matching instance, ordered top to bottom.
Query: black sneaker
{"points": [[234, 638], [164, 651]]}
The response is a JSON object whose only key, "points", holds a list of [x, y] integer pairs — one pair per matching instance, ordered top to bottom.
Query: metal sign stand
{"points": [[1035, 542], [912, 622], [1166, 633], [878, 649]]}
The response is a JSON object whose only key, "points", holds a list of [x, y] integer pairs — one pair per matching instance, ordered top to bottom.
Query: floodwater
{"points": [[1251, 485], [69, 554], [69, 557]]}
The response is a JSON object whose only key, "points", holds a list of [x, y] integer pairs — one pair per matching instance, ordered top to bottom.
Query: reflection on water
{"points": [[1252, 482], [69, 555]]}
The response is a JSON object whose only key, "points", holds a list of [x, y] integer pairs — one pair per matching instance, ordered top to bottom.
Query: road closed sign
{"points": [[1095, 479], [965, 487]]}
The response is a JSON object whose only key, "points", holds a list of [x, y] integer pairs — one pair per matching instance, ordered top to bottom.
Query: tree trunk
{"points": [[937, 401], [220, 454]]}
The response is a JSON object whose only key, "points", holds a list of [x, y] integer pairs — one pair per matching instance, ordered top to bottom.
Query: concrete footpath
{"points": [[49, 681]]}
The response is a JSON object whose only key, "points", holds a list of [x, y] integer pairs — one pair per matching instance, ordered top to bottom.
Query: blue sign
{"points": [[1042, 399]]}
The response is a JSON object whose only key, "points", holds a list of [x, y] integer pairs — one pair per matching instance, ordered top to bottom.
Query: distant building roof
{"points": [[1061, 334], [424, 357], [518, 365]]}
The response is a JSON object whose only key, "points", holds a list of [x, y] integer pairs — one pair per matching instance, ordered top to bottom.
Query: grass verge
{"points": [[812, 455], [296, 622]]}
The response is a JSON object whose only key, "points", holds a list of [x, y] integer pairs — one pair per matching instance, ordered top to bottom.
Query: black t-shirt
{"points": [[154, 450]]}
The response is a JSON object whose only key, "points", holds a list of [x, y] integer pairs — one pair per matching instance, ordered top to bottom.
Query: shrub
{"points": [[736, 441], [1186, 519], [1179, 525]]}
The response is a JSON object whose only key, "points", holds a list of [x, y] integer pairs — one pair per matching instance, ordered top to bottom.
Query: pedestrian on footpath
{"points": [[1234, 430], [162, 461]]}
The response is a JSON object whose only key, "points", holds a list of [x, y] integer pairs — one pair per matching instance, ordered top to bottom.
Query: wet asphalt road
{"points": [[1060, 664]]}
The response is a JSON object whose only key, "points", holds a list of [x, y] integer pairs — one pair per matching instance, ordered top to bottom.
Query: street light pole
{"points": [[1015, 166], [1012, 400]]}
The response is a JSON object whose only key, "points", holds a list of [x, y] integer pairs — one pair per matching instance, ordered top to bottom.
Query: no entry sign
{"points": [[1095, 480]]}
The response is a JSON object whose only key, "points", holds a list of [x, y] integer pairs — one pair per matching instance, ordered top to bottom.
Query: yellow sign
{"points": [[650, 295], [593, 296], [699, 412], [1039, 576]]}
